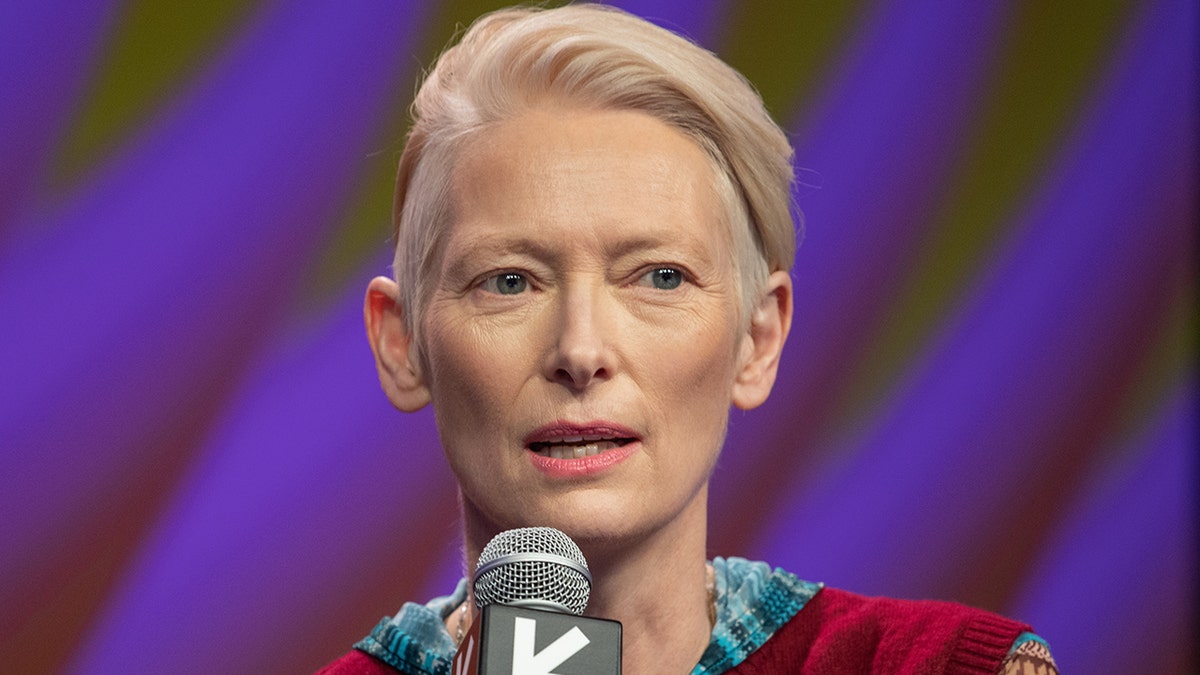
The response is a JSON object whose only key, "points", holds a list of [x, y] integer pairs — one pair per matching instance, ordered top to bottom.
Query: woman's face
{"points": [[583, 339]]}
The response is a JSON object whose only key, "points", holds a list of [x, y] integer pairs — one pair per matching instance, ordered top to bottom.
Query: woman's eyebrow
{"points": [[490, 245], [669, 245]]}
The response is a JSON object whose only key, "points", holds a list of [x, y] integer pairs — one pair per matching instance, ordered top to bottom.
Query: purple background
{"points": [[989, 395]]}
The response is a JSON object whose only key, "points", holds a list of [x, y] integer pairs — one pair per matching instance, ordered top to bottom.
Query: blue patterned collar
{"points": [[753, 601]]}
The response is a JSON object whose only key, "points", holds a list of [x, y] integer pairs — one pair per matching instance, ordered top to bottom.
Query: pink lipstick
{"points": [[568, 449]]}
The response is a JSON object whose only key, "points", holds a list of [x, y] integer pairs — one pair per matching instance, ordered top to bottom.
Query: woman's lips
{"points": [[567, 449]]}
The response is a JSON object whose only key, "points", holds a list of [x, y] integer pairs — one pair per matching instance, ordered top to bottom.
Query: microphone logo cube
{"points": [[523, 641]]}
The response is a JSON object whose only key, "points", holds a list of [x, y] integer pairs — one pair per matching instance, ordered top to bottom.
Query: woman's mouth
{"points": [[576, 447], [573, 450]]}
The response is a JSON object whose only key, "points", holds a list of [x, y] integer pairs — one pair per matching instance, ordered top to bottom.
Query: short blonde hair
{"points": [[586, 55]]}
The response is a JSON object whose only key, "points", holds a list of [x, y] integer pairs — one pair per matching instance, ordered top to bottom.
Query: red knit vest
{"points": [[840, 633]]}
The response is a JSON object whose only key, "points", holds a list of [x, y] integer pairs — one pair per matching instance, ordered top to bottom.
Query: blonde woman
{"points": [[593, 240]]}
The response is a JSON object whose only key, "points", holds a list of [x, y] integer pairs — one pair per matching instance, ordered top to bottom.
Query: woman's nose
{"points": [[582, 353]]}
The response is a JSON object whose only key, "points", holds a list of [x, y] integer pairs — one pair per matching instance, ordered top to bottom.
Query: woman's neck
{"points": [[657, 587], [660, 594]]}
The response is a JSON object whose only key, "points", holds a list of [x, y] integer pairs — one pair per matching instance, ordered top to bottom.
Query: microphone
{"points": [[531, 586]]}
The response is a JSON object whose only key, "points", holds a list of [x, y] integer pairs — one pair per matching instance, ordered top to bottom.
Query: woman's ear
{"points": [[763, 342], [399, 373]]}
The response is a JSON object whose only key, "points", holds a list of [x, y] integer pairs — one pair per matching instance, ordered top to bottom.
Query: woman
{"points": [[593, 238]]}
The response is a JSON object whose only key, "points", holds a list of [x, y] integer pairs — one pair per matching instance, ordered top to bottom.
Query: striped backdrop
{"points": [[990, 393]]}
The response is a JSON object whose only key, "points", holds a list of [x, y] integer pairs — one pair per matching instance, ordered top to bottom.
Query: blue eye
{"points": [[664, 278], [506, 283]]}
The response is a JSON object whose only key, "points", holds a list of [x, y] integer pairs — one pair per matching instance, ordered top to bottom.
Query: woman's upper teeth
{"points": [[580, 439], [569, 450]]}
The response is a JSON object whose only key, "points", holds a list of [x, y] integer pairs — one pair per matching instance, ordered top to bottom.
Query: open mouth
{"points": [[576, 447]]}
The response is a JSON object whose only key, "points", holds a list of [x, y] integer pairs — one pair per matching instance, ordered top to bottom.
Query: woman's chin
{"points": [[592, 522], [594, 527]]}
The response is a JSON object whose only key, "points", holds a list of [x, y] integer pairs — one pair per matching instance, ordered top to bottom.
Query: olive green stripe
{"points": [[786, 48], [154, 49], [1047, 70]]}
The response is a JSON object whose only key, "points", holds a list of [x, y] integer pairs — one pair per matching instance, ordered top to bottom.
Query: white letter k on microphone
{"points": [[525, 662]]}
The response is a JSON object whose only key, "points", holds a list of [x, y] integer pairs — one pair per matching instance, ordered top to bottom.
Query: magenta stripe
{"points": [[1120, 567]]}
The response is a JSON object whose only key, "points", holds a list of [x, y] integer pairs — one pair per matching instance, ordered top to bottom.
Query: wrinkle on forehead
{"points": [[575, 152], [575, 173]]}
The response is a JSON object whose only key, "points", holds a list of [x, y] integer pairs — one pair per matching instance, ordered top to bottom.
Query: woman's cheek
{"points": [[701, 347]]}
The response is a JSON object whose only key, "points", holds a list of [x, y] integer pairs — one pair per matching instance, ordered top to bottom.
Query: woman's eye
{"points": [[663, 278], [506, 283]]}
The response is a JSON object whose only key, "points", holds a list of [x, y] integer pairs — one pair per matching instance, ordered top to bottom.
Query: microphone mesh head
{"points": [[535, 566]]}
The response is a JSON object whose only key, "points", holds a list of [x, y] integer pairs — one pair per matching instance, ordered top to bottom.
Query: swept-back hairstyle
{"points": [[592, 56]]}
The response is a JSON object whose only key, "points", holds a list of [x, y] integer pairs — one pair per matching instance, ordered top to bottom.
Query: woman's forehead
{"points": [[597, 167]]}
